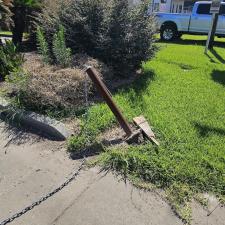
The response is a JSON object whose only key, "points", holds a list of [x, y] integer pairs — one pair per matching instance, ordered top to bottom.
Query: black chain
{"points": [[30, 207]]}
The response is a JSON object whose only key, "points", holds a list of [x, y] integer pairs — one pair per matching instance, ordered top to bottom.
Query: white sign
{"points": [[215, 6]]}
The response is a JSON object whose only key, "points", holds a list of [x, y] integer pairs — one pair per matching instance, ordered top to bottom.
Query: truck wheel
{"points": [[168, 33], [179, 35]]}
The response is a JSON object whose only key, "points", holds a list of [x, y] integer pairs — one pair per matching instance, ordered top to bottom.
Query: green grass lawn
{"points": [[5, 33], [9, 33], [182, 94]]}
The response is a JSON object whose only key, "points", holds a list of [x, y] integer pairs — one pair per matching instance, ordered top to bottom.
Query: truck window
{"points": [[204, 9], [222, 10]]}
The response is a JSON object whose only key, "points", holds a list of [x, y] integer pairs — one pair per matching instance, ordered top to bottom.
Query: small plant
{"points": [[43, 47], [61, 53], [10, 59], [77, 143], [180, 196]]}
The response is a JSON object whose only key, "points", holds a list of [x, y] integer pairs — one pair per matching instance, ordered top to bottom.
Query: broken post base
{"points": [[143, 124], [135, 138]]}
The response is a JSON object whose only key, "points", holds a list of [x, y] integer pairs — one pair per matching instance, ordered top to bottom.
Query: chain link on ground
{"points": [[44, 198]]}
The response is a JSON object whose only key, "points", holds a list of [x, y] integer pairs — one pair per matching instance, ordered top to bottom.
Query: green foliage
{"points": [[27, 3], [111, 31], [130, 37], [43, 47], [61, 53], [10, 59], [18, 81], [105, 118], [90, 127], [77, 143], [180, 197]]}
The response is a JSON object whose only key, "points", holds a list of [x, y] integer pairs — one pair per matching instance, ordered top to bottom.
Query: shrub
{"points": [[48, 19], [112, 31], [131, 34], [42, 46], [61, 53], [10, 59], [77, 143]]}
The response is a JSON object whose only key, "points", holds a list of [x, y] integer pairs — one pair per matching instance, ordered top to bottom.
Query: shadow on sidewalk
{"points": [[18, 136]]}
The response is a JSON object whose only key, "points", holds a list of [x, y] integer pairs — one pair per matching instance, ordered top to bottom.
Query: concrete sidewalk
{"points": [[31, 167]]}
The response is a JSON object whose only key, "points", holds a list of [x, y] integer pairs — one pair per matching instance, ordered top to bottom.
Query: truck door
{"points": [[201, 19], [221, 22]]}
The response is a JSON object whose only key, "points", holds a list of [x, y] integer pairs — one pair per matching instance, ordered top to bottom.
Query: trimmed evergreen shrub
{"points": [[120, 35]]}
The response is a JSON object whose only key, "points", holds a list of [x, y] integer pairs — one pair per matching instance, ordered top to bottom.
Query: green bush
{"points": [[112, 31], [42, 46], [61, 53], [10, 59]]}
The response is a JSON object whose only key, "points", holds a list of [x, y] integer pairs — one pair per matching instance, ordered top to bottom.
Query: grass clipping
{"points": [[51, 87]]}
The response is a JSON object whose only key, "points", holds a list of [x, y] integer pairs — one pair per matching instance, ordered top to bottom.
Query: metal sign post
{"points": [[214, 10]]}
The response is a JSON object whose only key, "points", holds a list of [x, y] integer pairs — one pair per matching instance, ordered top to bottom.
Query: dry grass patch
{"points": [[51, 88]]}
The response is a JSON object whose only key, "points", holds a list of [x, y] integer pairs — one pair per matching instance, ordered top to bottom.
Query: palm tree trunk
{"points": [[19, 19]]}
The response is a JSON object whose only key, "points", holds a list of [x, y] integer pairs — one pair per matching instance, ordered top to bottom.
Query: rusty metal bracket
{"points": [[143, 124]]}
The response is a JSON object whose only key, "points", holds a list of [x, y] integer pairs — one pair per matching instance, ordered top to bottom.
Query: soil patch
{"points": [[113, 137]]}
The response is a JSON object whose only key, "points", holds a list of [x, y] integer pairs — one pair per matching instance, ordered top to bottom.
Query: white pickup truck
{"points": [[173, 25]]}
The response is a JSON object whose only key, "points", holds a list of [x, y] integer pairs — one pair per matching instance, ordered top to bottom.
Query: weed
{"points": [[43, 47], [61, 53], [10, 59], [77, 143], [180, 196], [199, 197]]}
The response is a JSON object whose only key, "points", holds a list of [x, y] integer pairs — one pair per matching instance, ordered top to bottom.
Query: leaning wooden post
{"points": [[107, 97]]}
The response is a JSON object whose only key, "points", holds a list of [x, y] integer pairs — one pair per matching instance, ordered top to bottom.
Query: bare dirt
{"points": [[113, 137], [31, 166]]}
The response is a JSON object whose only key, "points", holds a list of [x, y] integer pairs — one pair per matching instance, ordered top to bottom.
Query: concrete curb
{"points": [[37, 123]]}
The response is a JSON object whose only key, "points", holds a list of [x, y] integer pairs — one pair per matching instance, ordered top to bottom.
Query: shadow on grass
{"points": [[192, 42], [219, 57], [212, 60], [218, 76], [143, 82], [137, 88], [205, 130], [90, 151]]}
